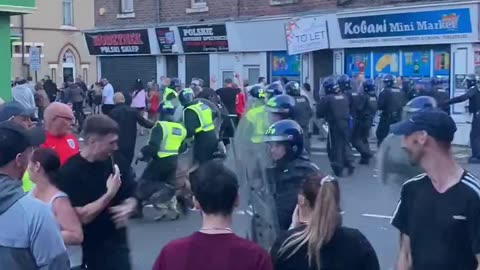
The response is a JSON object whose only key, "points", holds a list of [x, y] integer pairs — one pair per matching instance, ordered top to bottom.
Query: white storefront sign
{"points": [[306, 35]]}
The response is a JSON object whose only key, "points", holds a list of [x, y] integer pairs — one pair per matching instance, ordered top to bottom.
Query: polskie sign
{"points": [[204, 38], [128, 42]]}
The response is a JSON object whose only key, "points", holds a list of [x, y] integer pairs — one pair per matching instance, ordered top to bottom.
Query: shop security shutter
{"points": [[197, 66], [122, 71]]}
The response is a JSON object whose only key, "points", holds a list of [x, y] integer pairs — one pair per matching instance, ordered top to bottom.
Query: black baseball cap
{"points": [[12, 108], [437, 123], [15, 139]]}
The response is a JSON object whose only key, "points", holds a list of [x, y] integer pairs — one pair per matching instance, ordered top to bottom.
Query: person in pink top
{"points": [[139, 99]]}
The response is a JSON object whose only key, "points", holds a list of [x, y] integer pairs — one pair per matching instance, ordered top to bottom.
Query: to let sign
{"points": [[306, 35], [204, 38], [118, 42], [34, 59]]}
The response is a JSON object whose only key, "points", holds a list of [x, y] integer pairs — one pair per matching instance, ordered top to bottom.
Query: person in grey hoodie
{"points": [[29, 237]]}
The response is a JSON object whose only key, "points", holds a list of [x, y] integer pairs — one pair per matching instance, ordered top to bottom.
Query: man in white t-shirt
{"points": [[107, 97]]}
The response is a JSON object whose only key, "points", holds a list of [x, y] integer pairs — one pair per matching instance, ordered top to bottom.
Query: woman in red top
{"points": [[154, 98], [240, 104]]}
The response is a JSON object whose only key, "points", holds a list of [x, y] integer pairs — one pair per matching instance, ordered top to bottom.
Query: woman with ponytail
{"points": [[43, 168], [318, 241]]}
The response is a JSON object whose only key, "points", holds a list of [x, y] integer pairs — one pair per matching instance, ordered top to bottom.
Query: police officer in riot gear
{"points": [[344, 84], [273, 89], [440, 93], [473, 97], [390, 101], [281, 107], [364, 108], [335, 109], [303, 110], [198, 121], [285, 141], [394, 165], [157, 184]]}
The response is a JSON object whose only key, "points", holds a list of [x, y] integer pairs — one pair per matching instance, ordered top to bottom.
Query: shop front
{"points": [[7, 9], [431, 41], [124, 56]]}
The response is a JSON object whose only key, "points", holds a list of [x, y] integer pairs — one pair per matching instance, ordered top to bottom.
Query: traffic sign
{"points": [[34, 59]]}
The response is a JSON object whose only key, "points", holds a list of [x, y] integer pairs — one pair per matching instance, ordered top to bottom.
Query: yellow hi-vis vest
{"points": [[167, 92], [205, 116], [256, 118], [173, 136], [27, 184]]}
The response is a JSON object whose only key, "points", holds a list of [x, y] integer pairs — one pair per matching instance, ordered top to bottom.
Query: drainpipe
{"points": [[22, 29]]}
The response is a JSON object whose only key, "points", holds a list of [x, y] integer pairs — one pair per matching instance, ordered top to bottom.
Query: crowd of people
{"points": [[56, 196]]}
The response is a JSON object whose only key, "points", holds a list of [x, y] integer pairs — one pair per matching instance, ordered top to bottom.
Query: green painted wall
{"points": [[18, 3], [5, 57]]}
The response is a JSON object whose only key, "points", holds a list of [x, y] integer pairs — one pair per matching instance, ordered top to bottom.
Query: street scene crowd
{"points": [[68, 190]]}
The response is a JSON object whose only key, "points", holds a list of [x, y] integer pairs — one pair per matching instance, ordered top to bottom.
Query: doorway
{"points": [[68, 65]]}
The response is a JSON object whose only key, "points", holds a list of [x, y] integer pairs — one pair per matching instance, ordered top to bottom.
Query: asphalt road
{"points": [[367, 204]]}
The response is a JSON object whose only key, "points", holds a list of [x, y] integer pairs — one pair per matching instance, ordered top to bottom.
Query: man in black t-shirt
{"points": [[228, 96], [101, 192], [438, 214]]}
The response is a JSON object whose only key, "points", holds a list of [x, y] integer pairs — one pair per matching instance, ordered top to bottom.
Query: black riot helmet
{"points": [[389, 80], [471, 80], [175, 83], [343, 83], [330, 85], [369, 87], [273, 89], [293, 89], [257, 92], [186, 97], [417, 104], [282, 105], [167, 111], [289, 133]]}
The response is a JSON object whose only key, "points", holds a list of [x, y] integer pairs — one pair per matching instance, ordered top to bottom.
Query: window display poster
{"points": [[358, 63], [385, 63], [416, 63], [441, 63], [285, 65]]}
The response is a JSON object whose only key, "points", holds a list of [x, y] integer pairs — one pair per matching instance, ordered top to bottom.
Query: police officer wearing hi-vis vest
{"points": [[198, 120], [158, 179]]}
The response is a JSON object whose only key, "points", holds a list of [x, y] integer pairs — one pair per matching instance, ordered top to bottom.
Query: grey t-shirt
{"points": [[29, 235]]}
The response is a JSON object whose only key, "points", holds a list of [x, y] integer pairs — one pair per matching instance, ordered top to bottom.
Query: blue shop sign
{"points": [[437, 22]]}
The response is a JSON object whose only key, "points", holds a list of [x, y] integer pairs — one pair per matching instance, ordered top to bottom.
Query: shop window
{"points": [[282, 2], [126, 6], [197, 6], [67, 12], [17, 49], [27, 49], [253, 74], [227, 75]]}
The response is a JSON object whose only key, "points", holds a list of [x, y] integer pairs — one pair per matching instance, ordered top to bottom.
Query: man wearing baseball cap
{"points": [[17, 113], [438, 214], [30, 238]]}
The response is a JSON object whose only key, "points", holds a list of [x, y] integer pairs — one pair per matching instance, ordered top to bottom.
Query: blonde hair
{"points": [[118, 98], [323, 223]]}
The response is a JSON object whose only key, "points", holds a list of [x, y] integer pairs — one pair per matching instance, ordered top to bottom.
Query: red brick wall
{"points": [[174, 11], [145, 13]]}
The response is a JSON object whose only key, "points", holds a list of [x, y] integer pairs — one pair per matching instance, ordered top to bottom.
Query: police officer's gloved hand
{"points": [[148, 152]]}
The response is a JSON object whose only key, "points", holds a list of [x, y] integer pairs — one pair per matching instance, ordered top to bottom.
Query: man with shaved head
{"points": [[58, 126]]}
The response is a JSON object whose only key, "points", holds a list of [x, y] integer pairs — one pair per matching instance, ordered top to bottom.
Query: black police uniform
{"points": [[441, 95], [473, 97], [390, 101], [335, 109], [364, 109], [290, 171], [288, 177]]}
